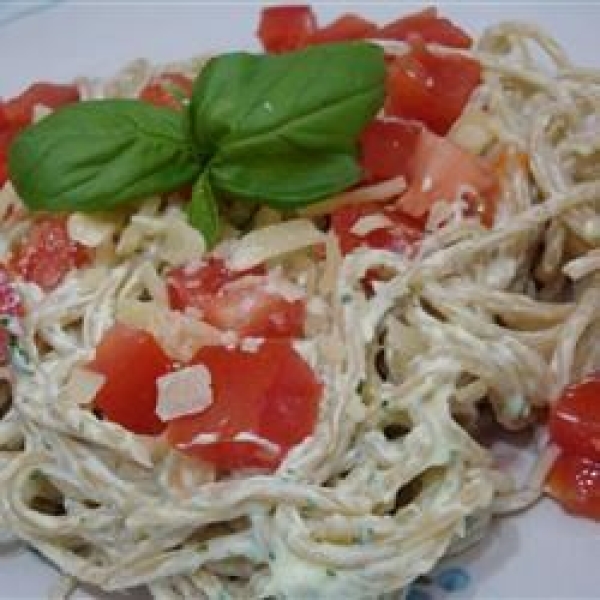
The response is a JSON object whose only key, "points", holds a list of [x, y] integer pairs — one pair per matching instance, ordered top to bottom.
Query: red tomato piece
{"points": [[429, 27], [285, 28], [344, 29], [430, 88], [167, 90], [18, 111], [7, 133], [386, 149], [3, 170], [443, 171], [401, 235], [47, 253], [208, 277], [10, 301], [238, 301], [10, 305], [251, 310], [132, 361], [273, 395], [575, 419], [574, 481]]}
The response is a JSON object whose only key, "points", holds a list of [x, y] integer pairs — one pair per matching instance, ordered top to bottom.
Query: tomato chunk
{"points": [[429, 27], [285, 28], [344, 29], [430, 88], [168, 90], [17, 113], [7, 134], [386, 149], [440, 170], [399, 232], [47, 253], [186, 283], [10, 301], [238, 301], [11, 305], [132, 361], [264, 403], [575, 419], [574, 481]]}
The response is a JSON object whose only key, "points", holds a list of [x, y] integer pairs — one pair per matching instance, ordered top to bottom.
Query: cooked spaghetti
{"points": [[392, 479]]}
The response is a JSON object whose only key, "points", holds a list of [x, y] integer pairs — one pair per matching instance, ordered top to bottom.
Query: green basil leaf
{"points": [[316, 99], [95, 155], [288, 180], [202, 210]]}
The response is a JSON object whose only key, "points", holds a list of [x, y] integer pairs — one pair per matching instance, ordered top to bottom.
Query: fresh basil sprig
{"points": [[279, 130], [99, 154]]}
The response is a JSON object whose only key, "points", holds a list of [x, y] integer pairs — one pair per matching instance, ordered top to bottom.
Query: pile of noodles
{"points": [[481, 321]]}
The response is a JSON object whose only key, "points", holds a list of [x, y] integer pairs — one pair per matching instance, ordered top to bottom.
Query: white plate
{"points": [[541, 554]]}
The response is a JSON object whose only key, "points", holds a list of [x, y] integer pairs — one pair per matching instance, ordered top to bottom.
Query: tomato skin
{"points": [[429, 27], [286, 28], [346, 28], [430, 88], [159, 90], [17, 113], [7, 134], [386, 149], [439, 171], [402, 236], [47, 253], [238, 301], [132, 361], [272, 394], [575, 419], [574, 481]]}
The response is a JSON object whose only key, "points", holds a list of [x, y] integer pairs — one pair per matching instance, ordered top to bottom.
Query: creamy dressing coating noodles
{"points": [[392, 479]]}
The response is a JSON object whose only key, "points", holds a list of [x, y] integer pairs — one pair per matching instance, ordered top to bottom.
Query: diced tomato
{"points": [[429, 27], [285, 28], [344, 29], [430, 88], [167, 90], [18, 111], [7, 133], [386, 149], [3, 170], [443, 171], [401, 235], [47, 253], [208, 277], [10, 301], [238, 301], [10, 305], [251, 310], [131, 361], [270, 393], [575, 419], [574, 481]]}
